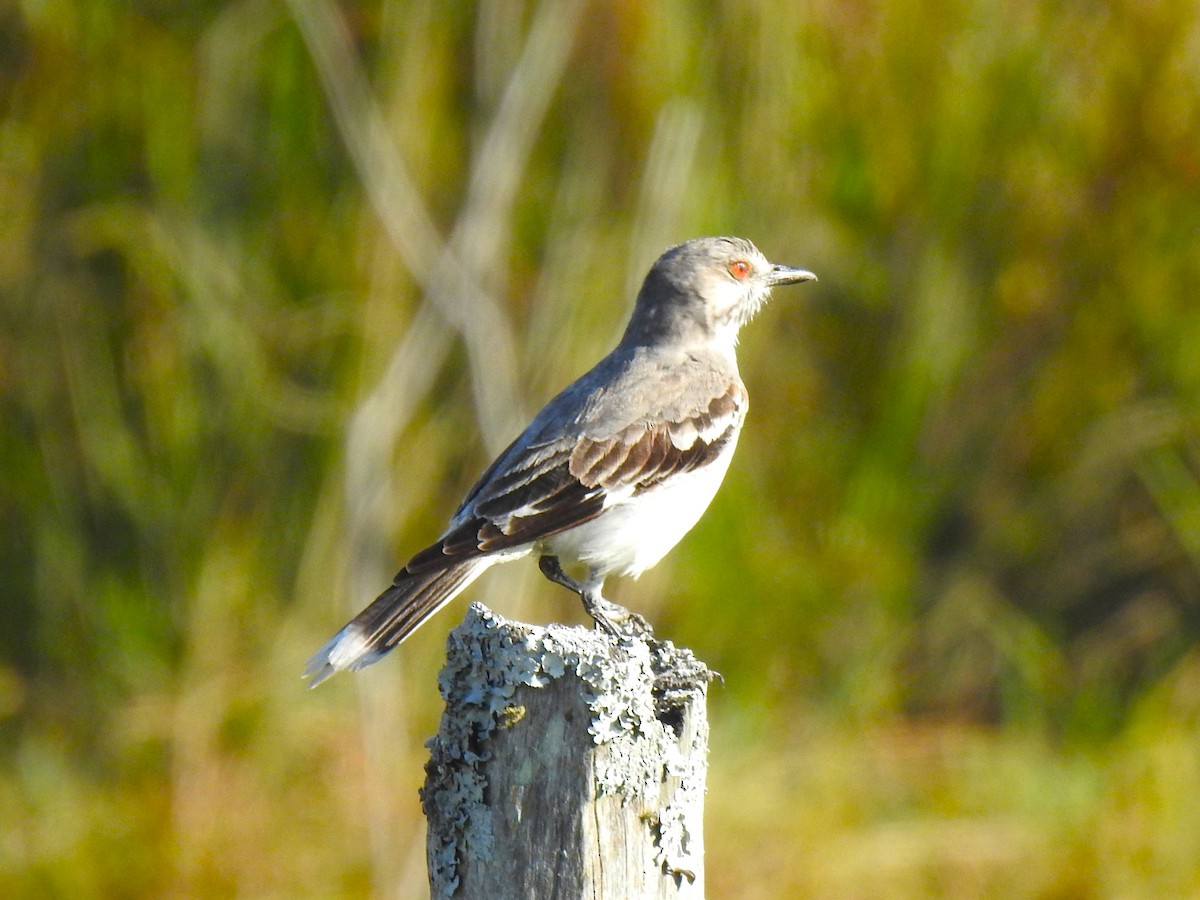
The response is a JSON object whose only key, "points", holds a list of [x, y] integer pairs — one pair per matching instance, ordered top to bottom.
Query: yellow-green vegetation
{"points": [[277, 278]]}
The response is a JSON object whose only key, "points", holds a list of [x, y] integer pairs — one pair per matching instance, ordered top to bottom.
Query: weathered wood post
{"points": [[568, 764]]}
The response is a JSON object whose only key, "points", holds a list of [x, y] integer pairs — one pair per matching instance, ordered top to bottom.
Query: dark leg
{"points": [[553, 570], [615, 619]]}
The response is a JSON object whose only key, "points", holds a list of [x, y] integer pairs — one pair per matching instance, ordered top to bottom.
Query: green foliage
{"points": [[959, 551]]}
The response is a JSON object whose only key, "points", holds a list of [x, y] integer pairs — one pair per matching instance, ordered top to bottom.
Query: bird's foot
{"points": [[609, 617], [615, 619]]}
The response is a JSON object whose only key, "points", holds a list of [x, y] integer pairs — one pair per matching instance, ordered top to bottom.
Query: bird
{"points": [[614, 470]]}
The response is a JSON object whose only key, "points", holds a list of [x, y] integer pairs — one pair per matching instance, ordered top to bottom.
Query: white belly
{"points": [[636, 532]]}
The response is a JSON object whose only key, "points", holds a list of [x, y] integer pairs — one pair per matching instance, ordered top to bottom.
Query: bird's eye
{"points": [[739, 269]]}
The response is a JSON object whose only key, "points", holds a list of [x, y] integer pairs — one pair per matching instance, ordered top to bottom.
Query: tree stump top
{"points": [[513, 769]]}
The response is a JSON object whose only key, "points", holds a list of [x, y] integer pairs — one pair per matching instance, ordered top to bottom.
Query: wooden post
{"points": [[568, 764]]}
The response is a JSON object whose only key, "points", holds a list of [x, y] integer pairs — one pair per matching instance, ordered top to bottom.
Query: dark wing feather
{"points": [[644, 454], [551, 488]]}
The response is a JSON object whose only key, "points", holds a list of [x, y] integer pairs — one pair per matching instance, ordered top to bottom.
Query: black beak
{"points": [[788, 275]]}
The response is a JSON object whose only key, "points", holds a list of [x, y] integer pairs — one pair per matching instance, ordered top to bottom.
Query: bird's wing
{"points": [[535, 490]]}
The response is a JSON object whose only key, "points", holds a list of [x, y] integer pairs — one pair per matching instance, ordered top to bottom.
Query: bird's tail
{"points": [[393, 616]]}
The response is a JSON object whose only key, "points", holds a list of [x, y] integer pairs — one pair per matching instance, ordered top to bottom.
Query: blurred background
{"points": [[277, 279]]}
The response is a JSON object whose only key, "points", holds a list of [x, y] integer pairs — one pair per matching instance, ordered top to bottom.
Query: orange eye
{"points": [[739, 269]]}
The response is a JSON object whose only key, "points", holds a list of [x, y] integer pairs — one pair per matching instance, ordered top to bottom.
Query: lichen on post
{"points": [[569, 763]]}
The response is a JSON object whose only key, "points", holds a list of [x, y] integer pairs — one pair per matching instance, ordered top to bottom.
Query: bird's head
{"points": [[705, 290]]}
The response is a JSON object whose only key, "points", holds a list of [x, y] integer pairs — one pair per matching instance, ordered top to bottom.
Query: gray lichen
{"points": [[635, 691]]}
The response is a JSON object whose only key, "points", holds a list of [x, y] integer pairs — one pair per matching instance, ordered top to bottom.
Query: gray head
{"points": [[705, 289]]}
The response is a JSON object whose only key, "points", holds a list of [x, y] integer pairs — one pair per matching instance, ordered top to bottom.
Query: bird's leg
{"points": [[553, 570], [609, 616]]}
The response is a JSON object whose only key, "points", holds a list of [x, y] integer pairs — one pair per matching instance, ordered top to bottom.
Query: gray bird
{"points": [[614, 470]]}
